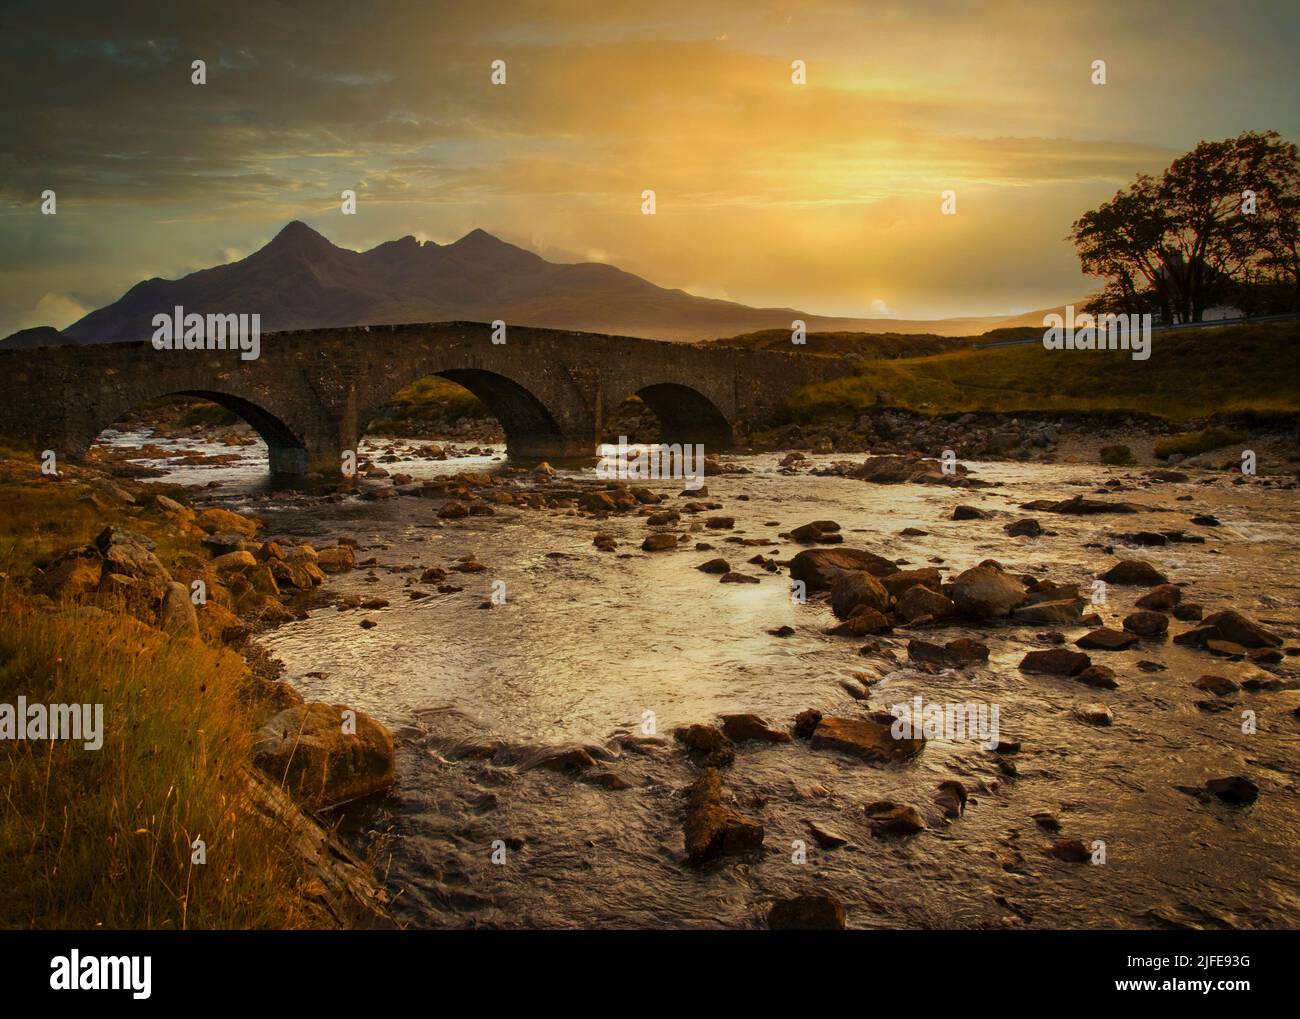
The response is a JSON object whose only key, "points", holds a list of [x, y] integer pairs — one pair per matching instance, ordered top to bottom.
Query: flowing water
{"points": [[588, 643]]}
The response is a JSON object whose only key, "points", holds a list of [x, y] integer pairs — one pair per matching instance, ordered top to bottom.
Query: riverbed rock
{"points": [[597, 502], [1080, 506], [970, 513], [214, 519], [1027, 528], [818, 532], [661, 541], [336, 558], [234, 562], [715, 566], [818, 567], [1134, 573], [897, 583], [852, 589], [985, 592], [1161, 598], [919, 601], [1066, 612], [864, 622], [1147, 623], [1239, 629], [1105, 639], [966, 651], [1055, 662], [1098, 676], [1220, 686], [1095, 714], [806, 722], [742, 727], [865, 738], [707, 745], [308, 749], [1235, 789], [951, 798], [886, 817], [713, 829], [827, 838], [1069, 850], [807, 913]]}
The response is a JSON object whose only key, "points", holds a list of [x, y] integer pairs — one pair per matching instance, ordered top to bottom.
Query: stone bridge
{"points": [[312, 393]]}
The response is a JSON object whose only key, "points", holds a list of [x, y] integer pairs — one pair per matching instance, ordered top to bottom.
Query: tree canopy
{"points": [[1219, 226]]}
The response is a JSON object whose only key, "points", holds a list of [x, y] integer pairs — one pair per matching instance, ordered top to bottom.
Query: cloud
{"points": [[767, 191], [58, 310]]}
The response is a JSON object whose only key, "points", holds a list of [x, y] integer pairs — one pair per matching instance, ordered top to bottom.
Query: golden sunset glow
{"points": [[823, 196]]}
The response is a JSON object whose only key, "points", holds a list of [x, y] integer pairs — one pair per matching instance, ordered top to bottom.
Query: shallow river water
{"points": [[588, 642]]}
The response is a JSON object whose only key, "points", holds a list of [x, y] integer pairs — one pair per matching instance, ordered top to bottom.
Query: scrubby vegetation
{"points": [[1191, 373], [429, 406], [1192, 443], [1117, 455], [92, 838]]}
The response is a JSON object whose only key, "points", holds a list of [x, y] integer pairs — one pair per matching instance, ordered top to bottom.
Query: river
{"points": [[587, 643]]}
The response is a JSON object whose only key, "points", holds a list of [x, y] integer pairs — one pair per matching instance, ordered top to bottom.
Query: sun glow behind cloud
{"points": [[823, 196]]}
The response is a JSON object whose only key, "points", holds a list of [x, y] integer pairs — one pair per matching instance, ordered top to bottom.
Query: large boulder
{"points": [[215, 520], [130, 555], [336, 558], [818, 567], [1134, 573], [897, 583], [852, 589], [985, 592], [919, 601], [177, 615], [1238, 629], [309, 750]]}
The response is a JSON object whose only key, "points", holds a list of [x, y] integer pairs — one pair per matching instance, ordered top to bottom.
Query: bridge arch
{"points": [[686, 415], [532, 431], [287, 448]]}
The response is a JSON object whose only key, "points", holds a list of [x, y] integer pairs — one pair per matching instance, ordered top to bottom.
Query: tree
{"points": [[1192, 238]]}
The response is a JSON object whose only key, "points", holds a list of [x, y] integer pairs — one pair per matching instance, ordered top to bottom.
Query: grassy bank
{"points": [[1191, 374], [427, 405], [103, 838]]}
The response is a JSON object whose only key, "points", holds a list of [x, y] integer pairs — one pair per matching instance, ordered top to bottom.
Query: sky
{"points": [[824, 196]]}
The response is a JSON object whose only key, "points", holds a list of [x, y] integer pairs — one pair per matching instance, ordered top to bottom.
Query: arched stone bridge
{"points": [[312, 393]]}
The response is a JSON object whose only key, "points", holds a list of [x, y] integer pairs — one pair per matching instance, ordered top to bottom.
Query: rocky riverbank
{"points": [[163, 575], [885, 618]]}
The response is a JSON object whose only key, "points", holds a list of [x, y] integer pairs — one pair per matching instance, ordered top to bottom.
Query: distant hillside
{"points": [[300, 280], [37, 336], [838, 344]]}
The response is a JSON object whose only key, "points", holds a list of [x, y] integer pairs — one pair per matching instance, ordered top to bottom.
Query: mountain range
{"points": [[300, 280]]}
